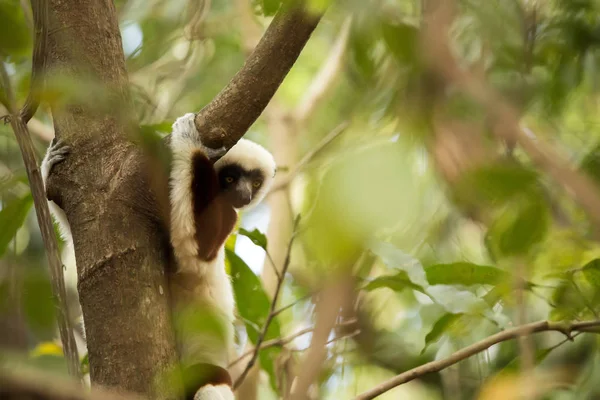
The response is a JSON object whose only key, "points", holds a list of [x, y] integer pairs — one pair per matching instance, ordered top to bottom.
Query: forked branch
{"points": [[229, 115]]}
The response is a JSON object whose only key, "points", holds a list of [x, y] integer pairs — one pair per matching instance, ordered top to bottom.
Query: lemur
{"points": [[205, 197]]}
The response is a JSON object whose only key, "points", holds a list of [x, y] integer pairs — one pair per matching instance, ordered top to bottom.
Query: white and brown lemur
{"points": [[205, 197]]}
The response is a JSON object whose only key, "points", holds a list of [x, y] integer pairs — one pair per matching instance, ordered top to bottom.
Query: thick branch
{"points": [[227, 118], [509, 334]]}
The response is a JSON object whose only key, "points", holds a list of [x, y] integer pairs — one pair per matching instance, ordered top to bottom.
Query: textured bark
{"points": [[102, 188]]}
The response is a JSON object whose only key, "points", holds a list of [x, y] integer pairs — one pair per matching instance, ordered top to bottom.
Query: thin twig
{"points": [[38, 62], [308, 157], [47, 230], [272, 262], [292, 304], [271, 315], [335, 339], [280, 342], [469, 351]]}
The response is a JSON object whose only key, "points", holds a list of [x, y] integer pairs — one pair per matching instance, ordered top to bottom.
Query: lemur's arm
{"points": [[200, 220]]}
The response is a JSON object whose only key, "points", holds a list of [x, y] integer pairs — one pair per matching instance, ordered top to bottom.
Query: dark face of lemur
{"points": [[239, 185]]}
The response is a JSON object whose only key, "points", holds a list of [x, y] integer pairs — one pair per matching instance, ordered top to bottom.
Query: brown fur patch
{"points": [[214, 217]]}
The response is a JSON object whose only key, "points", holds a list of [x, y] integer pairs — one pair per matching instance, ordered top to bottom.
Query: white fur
{"points": [[250, 155], [55, 210], [214, 288], [211, 392]]}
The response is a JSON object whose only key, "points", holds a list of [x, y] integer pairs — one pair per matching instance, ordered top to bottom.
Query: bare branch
{"points": [[326, 76], [229, 115], [47, 230], [272, 310], [509, 334]]}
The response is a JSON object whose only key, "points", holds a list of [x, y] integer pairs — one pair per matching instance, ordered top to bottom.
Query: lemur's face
{"points": [[239, 185]]}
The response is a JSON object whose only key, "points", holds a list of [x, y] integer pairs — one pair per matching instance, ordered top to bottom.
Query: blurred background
{"points": [[408, 175]]}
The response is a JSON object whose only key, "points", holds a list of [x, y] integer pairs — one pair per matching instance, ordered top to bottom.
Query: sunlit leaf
{"points": [[270, 7], [15, 37], [402, 40], [497, 182], [12, 216], [520, 227], [256, 236], [397, 259], [591, 271], [464, 273], [397, 283], [456, 301], [38, 302], [253, 305], [439, 328], [47, 349], [85, 364]]}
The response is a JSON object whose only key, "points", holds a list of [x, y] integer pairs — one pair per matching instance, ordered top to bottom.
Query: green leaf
{"points": [[270, 7], [15, 39], [402, 40], [497, 183], [12, 217], [520, 227], [256, 236], [397, 259], [591, 271], [464, 273], [397, 283], [38, 302], [253, 305], [439, 328], [85, 364]]}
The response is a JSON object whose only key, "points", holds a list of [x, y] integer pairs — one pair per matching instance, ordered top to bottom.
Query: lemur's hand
{"points": [[185, 127], [57, 152]]}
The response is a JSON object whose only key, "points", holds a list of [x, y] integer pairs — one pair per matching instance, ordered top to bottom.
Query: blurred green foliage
{"points": [[436, 259]]}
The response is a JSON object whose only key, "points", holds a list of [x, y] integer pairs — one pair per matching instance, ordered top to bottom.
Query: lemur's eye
{"points": [[229, 179], [256, 184]]}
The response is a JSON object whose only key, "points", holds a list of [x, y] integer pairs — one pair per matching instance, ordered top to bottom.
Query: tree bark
{"points": [[101, 186]]}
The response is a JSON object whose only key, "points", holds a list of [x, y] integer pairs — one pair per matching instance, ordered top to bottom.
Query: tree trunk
{"points": [[101, 186]]}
